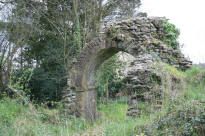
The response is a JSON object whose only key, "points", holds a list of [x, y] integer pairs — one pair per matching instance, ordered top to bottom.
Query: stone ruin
{"points": [[138, 37]]}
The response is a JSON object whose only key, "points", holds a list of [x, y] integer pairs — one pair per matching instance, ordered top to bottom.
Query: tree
{"points": [[49, 34], [8, 51]]}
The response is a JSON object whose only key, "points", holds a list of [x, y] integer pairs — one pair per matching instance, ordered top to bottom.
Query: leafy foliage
{"points": [[172, 34], [48, 76], [21, 79], [107, 79], [38, 84], [47, 86], [181, 118]]}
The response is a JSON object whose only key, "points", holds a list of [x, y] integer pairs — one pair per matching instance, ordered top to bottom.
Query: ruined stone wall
{"points": [[144, 34], [138, 37], [149, 81]]}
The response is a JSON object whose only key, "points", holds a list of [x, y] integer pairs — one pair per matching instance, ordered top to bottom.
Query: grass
{"points": [[173, 71], [195, 78], [17, 119], [22, 120], [26, 121]]}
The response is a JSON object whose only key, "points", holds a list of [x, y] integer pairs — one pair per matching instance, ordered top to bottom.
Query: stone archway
{"points": [[138, 37]]}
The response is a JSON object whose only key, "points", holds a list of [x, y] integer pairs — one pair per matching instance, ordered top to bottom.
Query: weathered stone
{"points": [[138, 37]]}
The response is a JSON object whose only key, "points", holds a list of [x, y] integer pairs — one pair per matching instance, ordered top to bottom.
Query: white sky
{"points": [[189, 17]]}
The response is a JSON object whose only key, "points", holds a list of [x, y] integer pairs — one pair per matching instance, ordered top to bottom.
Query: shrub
{"points": [[171, 35], [38, 84], [181, 118]]}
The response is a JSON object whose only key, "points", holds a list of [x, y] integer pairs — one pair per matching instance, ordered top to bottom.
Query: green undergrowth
{"points": [[171, 35], [173, 71], [195, 79], [184, 116], [17, 119], [26, 121]]}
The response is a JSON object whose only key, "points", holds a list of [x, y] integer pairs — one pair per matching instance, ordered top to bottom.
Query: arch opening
{"points": [[95, 63], [110, 78]]}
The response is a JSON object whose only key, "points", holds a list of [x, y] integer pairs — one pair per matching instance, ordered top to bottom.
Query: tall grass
{"points": [[195, 78], [18, 119]]}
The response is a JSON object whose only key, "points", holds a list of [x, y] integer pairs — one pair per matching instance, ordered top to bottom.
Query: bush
{"points": [[171, 35], [40, 85], [185, 115], [181, 118]]}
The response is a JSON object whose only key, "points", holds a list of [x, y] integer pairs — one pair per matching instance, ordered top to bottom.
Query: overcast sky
{"points": [[189, 17]]}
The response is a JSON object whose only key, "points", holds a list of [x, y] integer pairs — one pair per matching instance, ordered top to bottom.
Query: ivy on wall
{"points": [[171, 35]]}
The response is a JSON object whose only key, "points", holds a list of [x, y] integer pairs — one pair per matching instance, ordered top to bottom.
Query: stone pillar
{"points": [[68, 99], [86, 104]]}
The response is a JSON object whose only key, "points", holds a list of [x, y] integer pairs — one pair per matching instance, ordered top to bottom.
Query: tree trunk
{"points": [[1, 82], [107, 92]]}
